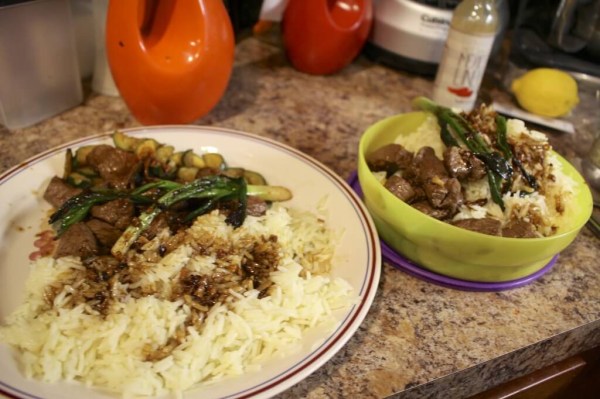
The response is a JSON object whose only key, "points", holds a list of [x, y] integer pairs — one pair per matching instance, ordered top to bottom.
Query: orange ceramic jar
{"points": [[170, 59]]}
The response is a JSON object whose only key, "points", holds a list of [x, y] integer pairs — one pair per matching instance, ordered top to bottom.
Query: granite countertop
{"points": [[418, 339]]}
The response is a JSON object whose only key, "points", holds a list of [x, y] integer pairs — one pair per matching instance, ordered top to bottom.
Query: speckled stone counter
{"points": [[419, 339]]}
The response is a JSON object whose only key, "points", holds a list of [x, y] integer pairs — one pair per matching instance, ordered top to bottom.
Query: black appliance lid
{"points": [[443, 4]]}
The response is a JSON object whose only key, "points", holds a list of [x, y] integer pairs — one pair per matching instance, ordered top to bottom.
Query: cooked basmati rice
{"points": [[428, 132], [58, 342]]}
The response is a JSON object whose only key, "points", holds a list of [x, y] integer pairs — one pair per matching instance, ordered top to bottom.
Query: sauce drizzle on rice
{"points": [[196, 306]]}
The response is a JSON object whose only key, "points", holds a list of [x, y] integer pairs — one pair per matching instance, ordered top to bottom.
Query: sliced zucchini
{"points": [[125, 142], [146, 148], [82, 153], [163, 153], [176, 158], [191, 159], [214, 160], [68, 167], [170, 167], [87, 171], [162, 172], [234, 172], [187, 173], [254, 178], [78, 180]]}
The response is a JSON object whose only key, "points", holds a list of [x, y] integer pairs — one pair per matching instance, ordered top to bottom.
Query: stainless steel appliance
{"points": [[410, 34]]}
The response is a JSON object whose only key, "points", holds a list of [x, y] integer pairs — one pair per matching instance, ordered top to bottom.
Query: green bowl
{"points": [[450, 250]]}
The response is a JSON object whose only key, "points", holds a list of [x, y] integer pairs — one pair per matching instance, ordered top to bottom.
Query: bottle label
{"points": [[461, 69]]}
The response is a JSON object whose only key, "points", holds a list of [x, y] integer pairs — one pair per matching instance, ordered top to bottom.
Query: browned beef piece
{"points": [[389, 158], [455, 162], [463, 164], [427, 166], [117, 167], [478, 168], [429, 173], [400, 187], [441, 190], [58, 191], [436, 192], [419, 194], [454, 196], [256, 206], [425, 207], [118, 212], [160, 222], [485, 225], [519, 229], [105, 233], [78, 240]]}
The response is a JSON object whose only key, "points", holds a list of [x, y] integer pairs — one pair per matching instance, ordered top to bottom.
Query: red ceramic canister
{"points": [[323, 36]]}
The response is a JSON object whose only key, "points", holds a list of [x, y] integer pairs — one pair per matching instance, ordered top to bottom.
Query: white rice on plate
{"points": [[58, 339]]}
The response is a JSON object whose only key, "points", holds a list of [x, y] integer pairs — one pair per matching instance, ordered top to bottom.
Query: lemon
{"points": [[546, 91]]}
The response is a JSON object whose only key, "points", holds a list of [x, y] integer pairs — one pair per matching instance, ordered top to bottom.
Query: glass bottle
{"points": [[470, 39]]}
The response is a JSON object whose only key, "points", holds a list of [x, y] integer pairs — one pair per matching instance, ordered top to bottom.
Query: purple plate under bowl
{"points": [[404, 264]]}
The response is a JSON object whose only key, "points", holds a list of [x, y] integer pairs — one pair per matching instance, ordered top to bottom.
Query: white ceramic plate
{"points": [[358, 256]]}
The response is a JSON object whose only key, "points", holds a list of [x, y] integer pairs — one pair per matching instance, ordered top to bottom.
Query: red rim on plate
{"points": [[404, 264]]}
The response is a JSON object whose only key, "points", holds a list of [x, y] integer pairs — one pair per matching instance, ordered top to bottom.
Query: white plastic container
{"points": [[39, 71], [102, 81]]}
